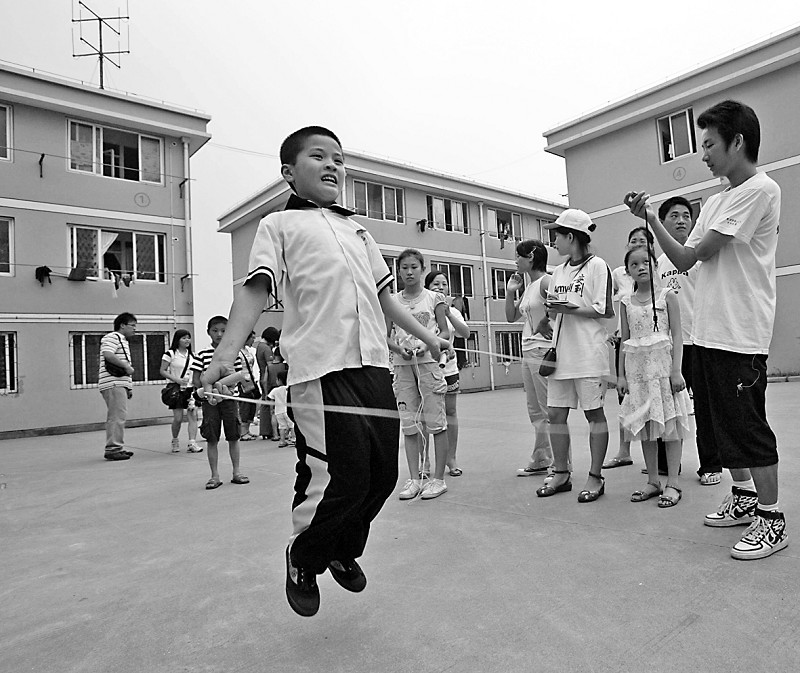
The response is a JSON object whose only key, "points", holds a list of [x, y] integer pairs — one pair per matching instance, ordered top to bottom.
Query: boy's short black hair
{"points": [[731, 117], [294, 143], [670, 203], [123, 319], [216, 320], [271, 334], [280, 377]]}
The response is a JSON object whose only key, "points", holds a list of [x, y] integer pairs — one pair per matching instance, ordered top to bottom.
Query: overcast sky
{"points": [[463, 87]]}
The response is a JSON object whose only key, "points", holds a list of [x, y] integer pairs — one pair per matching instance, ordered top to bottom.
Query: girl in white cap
{"points": [[580, 291]]}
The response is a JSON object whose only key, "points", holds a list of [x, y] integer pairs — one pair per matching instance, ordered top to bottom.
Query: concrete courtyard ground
{"points": [[132, 567]]}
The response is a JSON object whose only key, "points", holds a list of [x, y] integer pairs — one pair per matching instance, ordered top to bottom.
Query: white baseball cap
{"points": [[572, 218]]}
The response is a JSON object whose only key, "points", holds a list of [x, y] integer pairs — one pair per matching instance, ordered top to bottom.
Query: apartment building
{"points": [[649, 142], [95, 219], [465, 228]]}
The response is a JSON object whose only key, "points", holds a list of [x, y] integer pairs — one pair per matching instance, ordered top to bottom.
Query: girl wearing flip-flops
{"points": [[437, 281], [580, 291], [655, 403]]}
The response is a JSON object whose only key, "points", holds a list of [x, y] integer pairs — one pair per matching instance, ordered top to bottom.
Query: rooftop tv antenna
{"points": [[82, 13]]}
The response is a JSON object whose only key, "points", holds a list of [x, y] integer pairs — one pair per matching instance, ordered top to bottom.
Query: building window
{"points": [[5, 132], [676, 135], [115, 153], [378, 202], [696, 205], [447, 214], [504, 224], [546, 236], [6, 246], [129, 255], [459, 278], [500, 280], [399, 285], [508, 346], [146, 348], [473, 357], [8, 362]]}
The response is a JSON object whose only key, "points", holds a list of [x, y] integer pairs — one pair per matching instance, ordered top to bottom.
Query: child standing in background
{"points": [[279, 395]]}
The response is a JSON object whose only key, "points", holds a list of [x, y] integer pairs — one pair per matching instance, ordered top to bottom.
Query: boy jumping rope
{"points": [[335, 289], [734, 311]]}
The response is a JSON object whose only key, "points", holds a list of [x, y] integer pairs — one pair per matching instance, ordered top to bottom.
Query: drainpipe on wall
{"points": [[187, 208], [486, 295]]}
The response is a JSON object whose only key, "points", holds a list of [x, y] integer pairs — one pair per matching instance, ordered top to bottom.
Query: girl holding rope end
{"points": [[580, 292], [537, 335], [419, 383], [655, 403]]}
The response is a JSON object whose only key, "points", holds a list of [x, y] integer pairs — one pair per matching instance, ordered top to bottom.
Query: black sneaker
{"points": [[118, 455], [348, 574], [302, 591]]}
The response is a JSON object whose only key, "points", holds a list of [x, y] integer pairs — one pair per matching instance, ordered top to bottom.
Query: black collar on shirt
{"points": [[298, 203]]}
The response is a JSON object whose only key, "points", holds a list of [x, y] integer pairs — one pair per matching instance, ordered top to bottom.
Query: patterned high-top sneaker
{"points": [[737, 509], [766, 535]]}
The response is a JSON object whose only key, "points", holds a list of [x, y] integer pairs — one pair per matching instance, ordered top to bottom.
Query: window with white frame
{"points": [[5, 132], [676, 135], [115, 153], [378, 202], [696, 205], [447, 214], [504, 224], [544, 235], [6, 246], [129, 255], [391, 262], [459, 277], [500, 280], [508, 346], [146, 348], [473, 358], [8, 362]]}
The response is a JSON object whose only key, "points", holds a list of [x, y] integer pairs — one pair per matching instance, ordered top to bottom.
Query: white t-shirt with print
{"points": [[682, 283], [734, 306], [423, 308], [582, 342]]}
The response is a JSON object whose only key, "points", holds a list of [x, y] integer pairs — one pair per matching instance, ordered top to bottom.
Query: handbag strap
{"points": [[124, 351], [247, 364], [186, 365]]}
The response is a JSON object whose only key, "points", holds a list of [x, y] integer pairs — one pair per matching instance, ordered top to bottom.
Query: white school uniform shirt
{"points": [[328, 272], [681, 283], [735, 293], [581, 343]]}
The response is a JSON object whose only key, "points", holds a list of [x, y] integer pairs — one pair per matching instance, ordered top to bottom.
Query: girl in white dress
{"points": [[655, 403]]}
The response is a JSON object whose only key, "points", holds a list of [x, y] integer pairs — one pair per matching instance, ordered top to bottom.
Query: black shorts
{"points": [[730, 407], [225, 414]]}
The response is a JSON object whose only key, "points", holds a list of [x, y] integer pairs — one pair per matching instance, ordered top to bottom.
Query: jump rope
{"points": [[740, 387]]}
